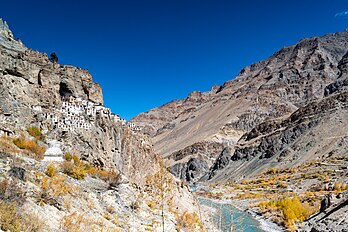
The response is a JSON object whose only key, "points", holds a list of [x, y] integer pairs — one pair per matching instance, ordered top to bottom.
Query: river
{"points": [[228, 218]]}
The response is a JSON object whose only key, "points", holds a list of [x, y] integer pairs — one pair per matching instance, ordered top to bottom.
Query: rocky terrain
{"points": [[271, 89], [283, 112], [109, 179]]}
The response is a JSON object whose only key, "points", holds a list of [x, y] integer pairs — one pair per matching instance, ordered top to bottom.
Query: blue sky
{"points": [[145, 53]]}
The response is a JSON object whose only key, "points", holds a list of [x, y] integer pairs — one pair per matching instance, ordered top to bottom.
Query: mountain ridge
{"points": [[269, 89]]}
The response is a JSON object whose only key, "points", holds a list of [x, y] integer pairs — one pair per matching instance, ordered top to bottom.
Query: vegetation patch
{"points": [[36, 133], [31, 146], [51, 170], [290, 210]]}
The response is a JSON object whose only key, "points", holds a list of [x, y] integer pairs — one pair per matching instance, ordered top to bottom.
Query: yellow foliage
{"points": [[35, 132], [30, 146], [68, 157], [76, 159], [51, 170], [76, 171], [112, 177], [282, 185], [56, 186], [340, 187], [151, 204], [292, 210], [9, 217], [12, 219], [189, 221]]}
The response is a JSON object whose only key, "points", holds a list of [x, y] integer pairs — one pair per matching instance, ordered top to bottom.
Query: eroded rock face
{"points": [[31, 86], [290, 141], [193, 162]]}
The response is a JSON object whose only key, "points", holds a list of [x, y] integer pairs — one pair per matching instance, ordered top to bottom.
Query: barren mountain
{"points": [[271, 89]]}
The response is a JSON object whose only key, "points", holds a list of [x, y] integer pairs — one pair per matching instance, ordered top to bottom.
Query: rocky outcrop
{"points": [[31, 87], [193, 162], [122, 176], [333, 217]]}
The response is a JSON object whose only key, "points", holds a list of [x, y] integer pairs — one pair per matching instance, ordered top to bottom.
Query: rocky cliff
{"points": [[31, 87], [113, 180]]}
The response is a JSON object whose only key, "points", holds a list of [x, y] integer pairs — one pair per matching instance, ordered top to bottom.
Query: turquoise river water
{"points": [[227, 218]]}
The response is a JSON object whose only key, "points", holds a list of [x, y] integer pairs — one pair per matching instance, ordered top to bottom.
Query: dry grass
{"points": [[36, 133], [7, 146], [31, 146], [12, 219], [75, 222], [188, 222]]}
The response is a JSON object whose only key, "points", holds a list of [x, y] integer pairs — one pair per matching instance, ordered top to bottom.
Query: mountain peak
{"points": [[4, 26], [7, 39]]}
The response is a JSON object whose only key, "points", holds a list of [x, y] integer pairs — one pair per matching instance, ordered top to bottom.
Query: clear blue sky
{"points": [[145, 53]]}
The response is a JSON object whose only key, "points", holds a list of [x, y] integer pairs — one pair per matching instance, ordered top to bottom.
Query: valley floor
{"points": [[289, 197]]}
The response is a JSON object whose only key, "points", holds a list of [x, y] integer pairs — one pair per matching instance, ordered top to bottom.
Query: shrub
{"points": [[53, 57], [36, 133], [19, 143], [30, 146], [68, 157], [76, 159], [51, 170], [75, 171], [79, 173], [112, 177], [282, 185], [54, 187], [340, 187], [152, 204], [292, 210], [10, 220], [189, 221]]}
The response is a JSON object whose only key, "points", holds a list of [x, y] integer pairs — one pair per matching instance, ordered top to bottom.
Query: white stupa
{"points": [[54, 153]]}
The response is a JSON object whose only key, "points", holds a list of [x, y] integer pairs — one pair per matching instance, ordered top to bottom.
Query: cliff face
{"points": [[31, 87], [273, 88], [122, 190]]}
